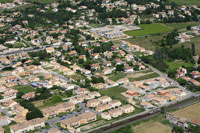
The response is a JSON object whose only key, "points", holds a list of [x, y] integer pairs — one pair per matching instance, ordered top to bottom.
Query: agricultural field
{"points": [[187, 2], [179, 26], [149, 29], [146, 42], [115, 93], [190, 112], [157, 124], [152, 127]]}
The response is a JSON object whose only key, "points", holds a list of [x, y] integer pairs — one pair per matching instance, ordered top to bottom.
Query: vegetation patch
{"points": [[6, 1], [187, 2], [147, 29], [148, 76], [25, 89], [115, 93]]}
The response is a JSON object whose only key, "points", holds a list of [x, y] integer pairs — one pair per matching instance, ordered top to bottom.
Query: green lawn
{"points": [[187, 2], [182, 25], [147, 29], [18, 45], [176, 64], [117, 76], [148, 76], [25, 89], [115, 93]]}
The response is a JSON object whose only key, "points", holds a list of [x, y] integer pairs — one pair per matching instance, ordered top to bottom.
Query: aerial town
{"points": [[113, 66]]}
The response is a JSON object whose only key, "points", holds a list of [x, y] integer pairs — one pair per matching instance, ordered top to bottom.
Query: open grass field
{"points": [[5, 1], [187, 2], [179, 26], [148, 29], [146, 42], [176, 64], [117, 76], [147, 76], [25, 89], [115, 93], [190, 112]]}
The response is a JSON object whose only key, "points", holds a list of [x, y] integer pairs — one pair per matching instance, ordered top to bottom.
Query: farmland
{"points": [[187, 2], [179, 26], [148, 29], [189, 112]]}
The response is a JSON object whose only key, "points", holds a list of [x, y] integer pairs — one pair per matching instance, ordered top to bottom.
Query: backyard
{"points": [[147, 29]]}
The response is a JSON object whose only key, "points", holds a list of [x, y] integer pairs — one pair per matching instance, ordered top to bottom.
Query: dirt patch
{"points": [[136, 75], [38, 103], [152, 127]]}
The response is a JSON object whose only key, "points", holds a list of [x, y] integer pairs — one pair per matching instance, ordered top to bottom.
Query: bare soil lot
{"points": [[152, 127]]}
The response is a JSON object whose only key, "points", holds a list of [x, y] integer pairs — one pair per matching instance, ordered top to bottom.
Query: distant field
{"points": [[5, 1], [43, 1], [187, 2], [182, 25], [147, 29], [190, 112]]}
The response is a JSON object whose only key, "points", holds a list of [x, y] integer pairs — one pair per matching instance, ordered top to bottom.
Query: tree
{"points": [[189, 27], [193, 48], [120, 67], [19, 94], [36, 113], [177, 130]]}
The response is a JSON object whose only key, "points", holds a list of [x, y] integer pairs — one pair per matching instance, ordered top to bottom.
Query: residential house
{"points": [[128, 69], [123, 81], [99, 85], [131, 92], [93, 94], [28, 95], [104, 99], [93, 103], [114, 103], [146, 105], [102, 107], [127, 108], [54, 110], [115, 112], [106, 115], [76, 121], [28, 125]]}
